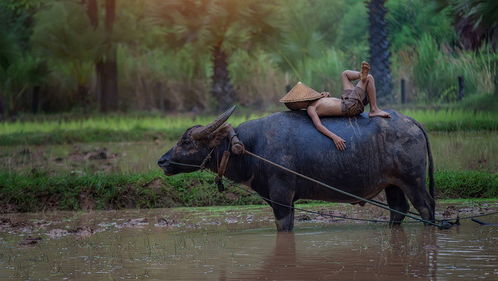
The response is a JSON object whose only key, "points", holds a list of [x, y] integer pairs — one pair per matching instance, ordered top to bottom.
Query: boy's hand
{"points": [[339, 143]]}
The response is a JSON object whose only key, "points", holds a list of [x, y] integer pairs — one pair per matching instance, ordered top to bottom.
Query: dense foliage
{"points": [[191, 55]]}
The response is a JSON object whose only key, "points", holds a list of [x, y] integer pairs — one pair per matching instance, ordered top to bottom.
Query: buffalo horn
{"points": [[204, 131]]}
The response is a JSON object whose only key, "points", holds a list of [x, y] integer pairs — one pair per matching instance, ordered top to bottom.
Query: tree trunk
{"points": [[92, 12], [379, 50], [106, 68], [109, 69], [109, 82], [222, 89], [82, 97], [35, 101], [2, 107]]}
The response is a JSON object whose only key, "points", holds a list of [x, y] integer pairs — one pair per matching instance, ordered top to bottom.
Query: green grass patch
{"points": [[487, 103], [449, 120], [116, 123], [112, 128], [466, 184], [39, 191], [32, 192]]}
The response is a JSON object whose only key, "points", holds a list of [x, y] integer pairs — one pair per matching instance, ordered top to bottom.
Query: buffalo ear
{"points": [[216, 137]]}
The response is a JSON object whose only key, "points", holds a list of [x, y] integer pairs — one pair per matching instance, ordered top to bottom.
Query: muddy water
{"points": [[452, 151], [240, 243]]}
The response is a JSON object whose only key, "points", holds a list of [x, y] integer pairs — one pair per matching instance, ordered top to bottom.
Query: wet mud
{"points": [[31, 228]]}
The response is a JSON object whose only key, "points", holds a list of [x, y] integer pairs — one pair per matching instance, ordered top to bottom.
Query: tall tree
{"points": [[220, 27], [379, 49], [106, 65]]}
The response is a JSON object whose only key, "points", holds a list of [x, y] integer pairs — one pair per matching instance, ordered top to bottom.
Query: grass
{"points": [[487, 103], [455, 119], [113, 123], [102, 128], [116, 128], [466, 184], [31, 192], [36, 192]]}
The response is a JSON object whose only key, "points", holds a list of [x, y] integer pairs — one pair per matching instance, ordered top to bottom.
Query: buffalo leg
{"points": [[281, 195], [397, 201], [422, 201]]}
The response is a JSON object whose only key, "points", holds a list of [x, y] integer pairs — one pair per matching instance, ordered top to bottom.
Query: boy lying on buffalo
{"points": [[352, 101]]}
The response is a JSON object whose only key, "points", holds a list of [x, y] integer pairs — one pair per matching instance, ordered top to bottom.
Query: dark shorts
{"points": [[351, 104]]}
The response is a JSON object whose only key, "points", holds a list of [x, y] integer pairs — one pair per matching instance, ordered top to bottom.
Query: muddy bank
{"points": [[34, 192], [32, 228]]}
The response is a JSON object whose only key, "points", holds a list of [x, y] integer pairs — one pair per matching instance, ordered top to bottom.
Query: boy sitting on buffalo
{"points": [[352, 101]]}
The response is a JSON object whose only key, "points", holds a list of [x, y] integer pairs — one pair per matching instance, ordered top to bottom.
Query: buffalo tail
{"points": [[429, 155]]}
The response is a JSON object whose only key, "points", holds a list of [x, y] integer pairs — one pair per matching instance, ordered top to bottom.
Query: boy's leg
{"points": [[347, 76], [367, 83], [372, 97]]}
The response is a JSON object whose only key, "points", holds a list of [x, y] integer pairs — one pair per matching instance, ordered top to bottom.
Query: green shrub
{"points": [[466, 184]]}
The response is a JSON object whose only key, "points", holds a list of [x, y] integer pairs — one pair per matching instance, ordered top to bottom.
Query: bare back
{"points": [[327, 106]]}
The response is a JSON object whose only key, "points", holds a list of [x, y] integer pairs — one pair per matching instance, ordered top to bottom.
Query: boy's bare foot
{"points": [[365, 68], [379, 113]]}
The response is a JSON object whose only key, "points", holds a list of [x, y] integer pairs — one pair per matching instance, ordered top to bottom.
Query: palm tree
{"points": [[476, 23], [220, 27], [379, 49]]}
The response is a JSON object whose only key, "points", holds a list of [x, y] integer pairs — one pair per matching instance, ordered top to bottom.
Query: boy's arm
{"points": [[339, 142]]}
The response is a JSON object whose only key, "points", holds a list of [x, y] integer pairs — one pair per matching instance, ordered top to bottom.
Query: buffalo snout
{"points": [[162, 162]]}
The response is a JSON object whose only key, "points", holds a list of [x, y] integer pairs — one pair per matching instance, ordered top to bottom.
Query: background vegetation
{"points": [[169, 56]]}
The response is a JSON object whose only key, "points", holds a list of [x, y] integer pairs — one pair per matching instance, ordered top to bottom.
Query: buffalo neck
{"points": [[238, 168]]}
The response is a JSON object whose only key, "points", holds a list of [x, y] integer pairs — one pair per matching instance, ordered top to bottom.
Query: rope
{"points": [[184, 164], [201, 166], [342, 191], [309, 211], [341, 217]]}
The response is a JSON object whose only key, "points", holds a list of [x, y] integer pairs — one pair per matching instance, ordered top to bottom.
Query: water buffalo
{"points": [[382, 154]]}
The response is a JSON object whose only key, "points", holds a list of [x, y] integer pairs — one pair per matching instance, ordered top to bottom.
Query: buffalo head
{"points": [[194, 146]]}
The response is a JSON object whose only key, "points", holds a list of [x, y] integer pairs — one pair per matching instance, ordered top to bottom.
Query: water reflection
{"points": [[397, 256]]}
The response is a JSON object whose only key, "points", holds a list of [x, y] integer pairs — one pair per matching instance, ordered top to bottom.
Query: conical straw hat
{"points": [[301, 92]]}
